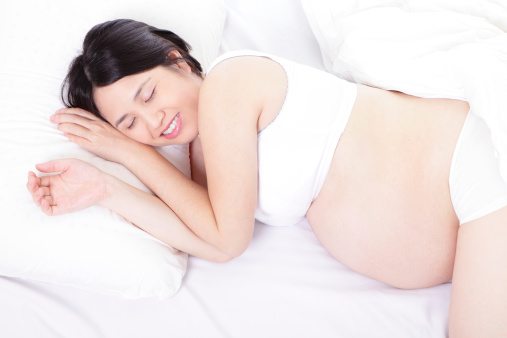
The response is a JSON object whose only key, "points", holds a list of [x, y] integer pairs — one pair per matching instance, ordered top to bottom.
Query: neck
{"points": [[197, 162]]}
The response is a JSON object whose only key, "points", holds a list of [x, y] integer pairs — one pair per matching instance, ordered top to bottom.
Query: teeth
{"points": [[172, 126]]}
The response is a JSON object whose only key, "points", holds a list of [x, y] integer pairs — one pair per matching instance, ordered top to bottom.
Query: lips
{"points": [[173, 128]]}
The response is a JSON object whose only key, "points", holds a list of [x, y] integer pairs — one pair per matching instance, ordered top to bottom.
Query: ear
{"points": [[181, 63]]}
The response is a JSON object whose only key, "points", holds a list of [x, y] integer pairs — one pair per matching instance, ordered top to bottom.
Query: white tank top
{"points": [[295, 150]]}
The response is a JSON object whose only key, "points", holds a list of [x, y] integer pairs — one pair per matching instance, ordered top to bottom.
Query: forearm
{"points": [[187, 199], [152, 215]]}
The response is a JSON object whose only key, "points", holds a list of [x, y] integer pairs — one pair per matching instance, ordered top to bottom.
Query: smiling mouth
{"points": [[173, 128]]}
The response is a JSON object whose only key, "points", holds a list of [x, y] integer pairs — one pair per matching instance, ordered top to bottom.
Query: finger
{"points": [[75, 110], [66, 113], [69, 118], [75, 129], [83, 142], [53, 166], [45, 181], [32, 182], [41, 192], [36, 199], [39, 199], [48, 199], [48, 208]]}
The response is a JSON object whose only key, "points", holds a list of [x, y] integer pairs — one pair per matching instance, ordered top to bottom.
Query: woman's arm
{"points": [[76, 185], [186, 198], [222, 215], [153, 216], [479, 283]]}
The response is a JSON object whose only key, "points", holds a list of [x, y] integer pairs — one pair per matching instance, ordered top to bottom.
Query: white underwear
{"points": [[475, 182]]}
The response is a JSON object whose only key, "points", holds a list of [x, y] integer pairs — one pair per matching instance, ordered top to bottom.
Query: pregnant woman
{"points": [[403, 189]]}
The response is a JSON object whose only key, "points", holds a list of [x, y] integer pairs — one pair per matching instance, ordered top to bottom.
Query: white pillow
{"points": [[280, 29], [381, 42], [429, 48], [92, 249]]}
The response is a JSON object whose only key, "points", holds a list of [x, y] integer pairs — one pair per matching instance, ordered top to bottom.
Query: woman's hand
{"points": [[94, 134], [78, 185]]}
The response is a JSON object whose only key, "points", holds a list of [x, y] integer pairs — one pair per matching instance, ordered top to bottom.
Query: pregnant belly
{"points": [[385, 208], [403, 239]]}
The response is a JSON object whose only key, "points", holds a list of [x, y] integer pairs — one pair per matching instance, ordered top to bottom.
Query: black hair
{"points": [[118, 48]]}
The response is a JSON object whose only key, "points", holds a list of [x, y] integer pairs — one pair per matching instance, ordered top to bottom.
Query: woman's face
{"points": [[156, 107]]}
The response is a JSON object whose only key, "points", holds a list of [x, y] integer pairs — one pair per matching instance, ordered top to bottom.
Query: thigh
{"points": [[479, 293]]}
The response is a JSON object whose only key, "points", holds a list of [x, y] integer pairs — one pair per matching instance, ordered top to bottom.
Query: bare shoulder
{"points": [[244, 66], [249, 78], [255, 87]]}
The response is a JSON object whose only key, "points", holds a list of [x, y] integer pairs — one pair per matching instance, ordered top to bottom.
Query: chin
{"points": [[185, 137], [176, 141]]}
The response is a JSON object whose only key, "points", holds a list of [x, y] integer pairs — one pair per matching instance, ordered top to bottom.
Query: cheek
{"points": [[190, 93]]}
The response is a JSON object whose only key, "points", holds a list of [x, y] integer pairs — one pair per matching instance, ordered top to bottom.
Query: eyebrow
{"points": [[120, 120]]}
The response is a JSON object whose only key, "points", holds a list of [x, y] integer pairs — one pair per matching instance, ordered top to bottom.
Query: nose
{"points": [[154, 122]]}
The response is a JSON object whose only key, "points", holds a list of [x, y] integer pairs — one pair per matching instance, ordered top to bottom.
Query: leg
{"points": [[479, 288]]}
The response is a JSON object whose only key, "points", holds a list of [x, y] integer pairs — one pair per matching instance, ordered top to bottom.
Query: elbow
{"points": [[232, 244], [230, 252], [222, 258]]}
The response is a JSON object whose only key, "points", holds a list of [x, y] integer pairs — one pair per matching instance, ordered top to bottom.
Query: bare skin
{"points": [[384, 209], [400, 229]]}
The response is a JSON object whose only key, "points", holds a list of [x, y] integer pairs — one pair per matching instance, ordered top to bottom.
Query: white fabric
{"points": [[277, 27], [437, 48], [299, 144], [475, 182], [94, 248], [284, 286]]}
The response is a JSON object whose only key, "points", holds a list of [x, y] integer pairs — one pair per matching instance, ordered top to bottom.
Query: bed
{"points": [[284, 285]]}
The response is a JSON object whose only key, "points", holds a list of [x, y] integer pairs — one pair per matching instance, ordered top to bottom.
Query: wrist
{"points": [[132, 152], [110, 188]]}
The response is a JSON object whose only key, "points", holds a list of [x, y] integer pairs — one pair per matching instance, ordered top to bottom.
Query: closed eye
{"points": [[151, 95], [134, 119], [132, 123]]}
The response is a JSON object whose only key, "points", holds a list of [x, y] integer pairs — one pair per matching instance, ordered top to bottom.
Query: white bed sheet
{"points": [[284, 285]]}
